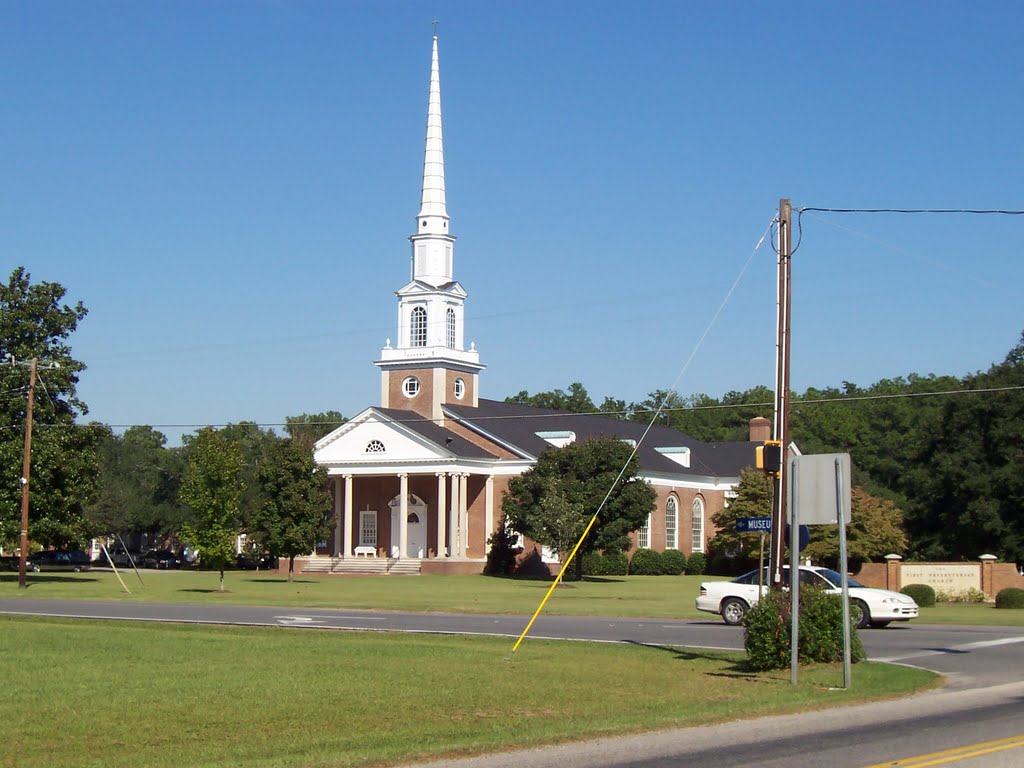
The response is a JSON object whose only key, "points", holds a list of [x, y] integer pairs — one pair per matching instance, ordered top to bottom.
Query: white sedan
{"points": [[868, 606]]}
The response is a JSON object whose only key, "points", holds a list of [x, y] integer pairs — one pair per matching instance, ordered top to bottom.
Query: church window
{"points": [[451, 328], [418, 329], [411, 386], [460, 389], [375, 446], [671, 516], [698, 524], [367, 528], [643, 536]]}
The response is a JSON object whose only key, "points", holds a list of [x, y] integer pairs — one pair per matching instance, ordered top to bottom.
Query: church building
{"points": [[418, 481]]}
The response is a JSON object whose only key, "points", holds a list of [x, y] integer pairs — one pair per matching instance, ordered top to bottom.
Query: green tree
{"points": [[35, 323], [576, 400], [305, 429], [586, 472], [139, 482], [968, 487], [213, 489], [296, 508], [558, 519], [875, 530], [730, 550]]}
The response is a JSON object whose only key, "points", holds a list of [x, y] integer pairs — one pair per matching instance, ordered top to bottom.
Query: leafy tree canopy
{"points": [[35, 323], [576, 400], [305, 429], [578, 477], [213, 489], [296, 510]]}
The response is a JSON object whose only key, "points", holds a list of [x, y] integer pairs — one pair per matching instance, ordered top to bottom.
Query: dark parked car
{"points": [[160, 558], [59, 560]]}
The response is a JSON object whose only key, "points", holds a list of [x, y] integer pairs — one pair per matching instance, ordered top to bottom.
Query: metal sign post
{"points": [[841, 518]]}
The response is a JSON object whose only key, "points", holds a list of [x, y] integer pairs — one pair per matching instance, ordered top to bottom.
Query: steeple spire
{"points": [[433, 216]]}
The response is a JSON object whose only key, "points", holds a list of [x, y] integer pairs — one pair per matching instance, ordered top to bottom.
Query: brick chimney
{"points": [[760, 429]]}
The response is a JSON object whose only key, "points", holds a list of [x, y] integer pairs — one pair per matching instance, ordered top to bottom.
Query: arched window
{"points": [[418, 328], [451, 328], [375, 446], [671, 523], [698, 524], [643, 536]]}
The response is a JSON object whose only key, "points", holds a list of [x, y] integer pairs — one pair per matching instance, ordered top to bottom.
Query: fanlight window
{"points": [[418, 328], [375, 446]]}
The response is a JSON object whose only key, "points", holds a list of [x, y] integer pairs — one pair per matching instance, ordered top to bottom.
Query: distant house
{"points": [[420, 479]]}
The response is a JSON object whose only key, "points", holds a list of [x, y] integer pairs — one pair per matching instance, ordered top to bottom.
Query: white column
{"points": [[488, 510], [464, 514], [337, 516], [348, 516], [403, 516], [442, 518], [455, 537]]}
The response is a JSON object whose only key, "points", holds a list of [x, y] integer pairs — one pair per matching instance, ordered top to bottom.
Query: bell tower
{"points": [[429, 365]]}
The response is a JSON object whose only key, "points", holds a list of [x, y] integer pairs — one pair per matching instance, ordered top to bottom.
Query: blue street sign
{"points": [[756, 524]]}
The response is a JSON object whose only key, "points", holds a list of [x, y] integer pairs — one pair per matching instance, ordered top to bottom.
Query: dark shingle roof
{"points": [[517, 426], [437, 435]]}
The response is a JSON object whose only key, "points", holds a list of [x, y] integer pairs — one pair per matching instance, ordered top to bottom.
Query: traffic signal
{"points": [[768, 457]]}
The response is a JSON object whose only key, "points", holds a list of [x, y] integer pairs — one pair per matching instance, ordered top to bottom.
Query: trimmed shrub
{"points": [[501, 557], [645, 562], [673, 562], [696, 563], [608, 564], [923, 594], [965, 596], [1011, 597], [767, 630]]}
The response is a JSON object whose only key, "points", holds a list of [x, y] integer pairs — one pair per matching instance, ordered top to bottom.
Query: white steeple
{"points": [[433, 247], [430, 348]]}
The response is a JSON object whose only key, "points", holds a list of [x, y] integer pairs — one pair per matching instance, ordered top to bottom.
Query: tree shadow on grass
{"points": [[45, 578], [281, 581], [206, 591], [732, 669]]}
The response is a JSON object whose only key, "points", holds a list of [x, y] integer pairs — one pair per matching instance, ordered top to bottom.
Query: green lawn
{"points": [[658, 597], [84, 693]]}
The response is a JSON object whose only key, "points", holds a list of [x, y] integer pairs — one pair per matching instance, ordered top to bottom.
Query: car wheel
{"points": [[35, 569], [77, 569], [733, 610], [860, 617], [879, 624]]}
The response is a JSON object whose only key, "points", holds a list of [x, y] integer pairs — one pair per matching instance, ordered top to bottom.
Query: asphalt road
{"points": [[980, 705]]}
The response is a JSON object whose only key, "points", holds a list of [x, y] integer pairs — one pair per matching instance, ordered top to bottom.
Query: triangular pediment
{"points": [[420, 288], [371, 438]]}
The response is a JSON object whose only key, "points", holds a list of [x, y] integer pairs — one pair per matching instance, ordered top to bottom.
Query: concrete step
{"points": [[379, 566]]}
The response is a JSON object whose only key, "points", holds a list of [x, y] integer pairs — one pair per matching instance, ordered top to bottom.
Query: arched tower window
{"points": [[418, 328], [451, 328], [671, 523], [698, 524]]}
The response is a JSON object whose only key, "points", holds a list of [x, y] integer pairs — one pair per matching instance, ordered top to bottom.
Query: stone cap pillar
{"points": [[893, 577], [987, 585]]}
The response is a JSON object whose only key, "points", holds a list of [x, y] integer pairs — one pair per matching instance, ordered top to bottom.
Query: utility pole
{"points": [[780, 427], [22, 563]]}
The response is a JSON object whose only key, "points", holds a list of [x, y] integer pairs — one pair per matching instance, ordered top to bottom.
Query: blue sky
{"points": [[229, 188]]}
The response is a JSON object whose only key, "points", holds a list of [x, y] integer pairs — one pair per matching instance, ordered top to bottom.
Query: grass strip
{"points": [[655, 597], [88, 693]]}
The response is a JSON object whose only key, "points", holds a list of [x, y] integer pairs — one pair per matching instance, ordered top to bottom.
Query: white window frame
{"points": [[418, 327], [450, 329], [411, 386], [697, 524], [368, 528], [672, 531], [643, 535]]}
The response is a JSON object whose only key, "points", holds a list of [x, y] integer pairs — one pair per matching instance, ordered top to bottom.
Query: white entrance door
{"points": [[416, 527]]}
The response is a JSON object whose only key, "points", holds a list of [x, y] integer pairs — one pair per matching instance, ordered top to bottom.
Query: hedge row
{"points": [[645, 562]]}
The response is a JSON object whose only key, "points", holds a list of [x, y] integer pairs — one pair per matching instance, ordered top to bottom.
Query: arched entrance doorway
{"points": [[416, 526]]}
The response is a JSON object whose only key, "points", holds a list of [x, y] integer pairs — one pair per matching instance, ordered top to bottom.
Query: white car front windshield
{"points": [[836, 579]]}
